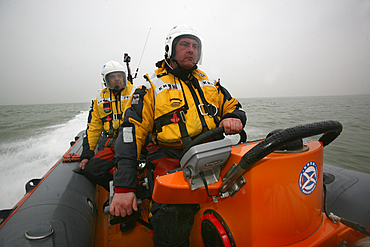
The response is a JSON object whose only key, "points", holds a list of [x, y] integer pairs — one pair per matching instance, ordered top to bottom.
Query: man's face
{"points": [[186, 52], [116, 80]]}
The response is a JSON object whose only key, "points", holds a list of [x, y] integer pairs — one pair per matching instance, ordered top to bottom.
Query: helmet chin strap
{"points": [[166, 59]]}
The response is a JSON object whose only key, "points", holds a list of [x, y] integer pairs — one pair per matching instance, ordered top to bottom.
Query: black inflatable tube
{"points": [[59, 211]]}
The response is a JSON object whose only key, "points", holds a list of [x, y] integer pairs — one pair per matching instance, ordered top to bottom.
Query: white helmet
{"points": [[179, 31], [110, 67]]}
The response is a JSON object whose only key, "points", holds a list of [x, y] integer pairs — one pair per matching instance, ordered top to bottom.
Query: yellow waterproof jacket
{"points": [[174, 111], [106, 114]]}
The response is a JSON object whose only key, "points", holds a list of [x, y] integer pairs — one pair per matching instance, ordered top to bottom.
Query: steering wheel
{"points": [[331, 130], [212, 135]]}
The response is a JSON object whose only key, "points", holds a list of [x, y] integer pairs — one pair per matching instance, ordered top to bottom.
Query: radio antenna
{"points": [[137, 69]]}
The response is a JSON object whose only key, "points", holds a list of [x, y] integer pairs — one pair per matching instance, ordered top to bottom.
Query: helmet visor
{"points": [[177, 39], [116, 80]]}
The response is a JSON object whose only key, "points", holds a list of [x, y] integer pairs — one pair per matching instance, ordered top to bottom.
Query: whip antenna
{"points": [[137, 69]]}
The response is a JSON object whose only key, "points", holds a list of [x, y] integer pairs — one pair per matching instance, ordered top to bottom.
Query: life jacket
{"points": [[183, 109], [174, 111], [106, 114]]}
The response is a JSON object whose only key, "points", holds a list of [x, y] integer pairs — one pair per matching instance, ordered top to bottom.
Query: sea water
{"points": [[34, 137], [350, 150]]}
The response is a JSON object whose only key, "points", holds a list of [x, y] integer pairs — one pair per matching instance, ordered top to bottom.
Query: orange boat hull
{"points": [[269, 210]]}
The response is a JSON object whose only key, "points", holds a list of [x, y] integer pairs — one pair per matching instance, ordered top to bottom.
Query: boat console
{"points": [[202, 163]]}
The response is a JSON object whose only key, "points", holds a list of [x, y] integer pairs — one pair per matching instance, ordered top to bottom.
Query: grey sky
{"points": [[53, 51]]}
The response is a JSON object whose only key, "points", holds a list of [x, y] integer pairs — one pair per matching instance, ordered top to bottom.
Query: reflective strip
{"points": [[206, 83], [147, 85], [160, 85], [125, 97], [100, 100], [127, 135]]}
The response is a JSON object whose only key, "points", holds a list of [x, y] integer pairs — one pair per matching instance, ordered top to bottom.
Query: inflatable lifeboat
{"points": [[270, 192]]}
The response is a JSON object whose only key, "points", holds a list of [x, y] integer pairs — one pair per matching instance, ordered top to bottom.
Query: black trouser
{"points": [[99, 166], [171, 222]]}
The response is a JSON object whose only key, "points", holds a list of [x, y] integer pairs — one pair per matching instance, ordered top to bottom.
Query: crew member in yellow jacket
{"points": [[177, 103], [104, 119]]}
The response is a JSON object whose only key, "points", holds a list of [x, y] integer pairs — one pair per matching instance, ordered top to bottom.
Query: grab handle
{"points": [[30, 236]]}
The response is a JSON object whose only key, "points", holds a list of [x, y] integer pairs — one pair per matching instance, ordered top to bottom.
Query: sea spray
{"points": [[23, 160]]}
